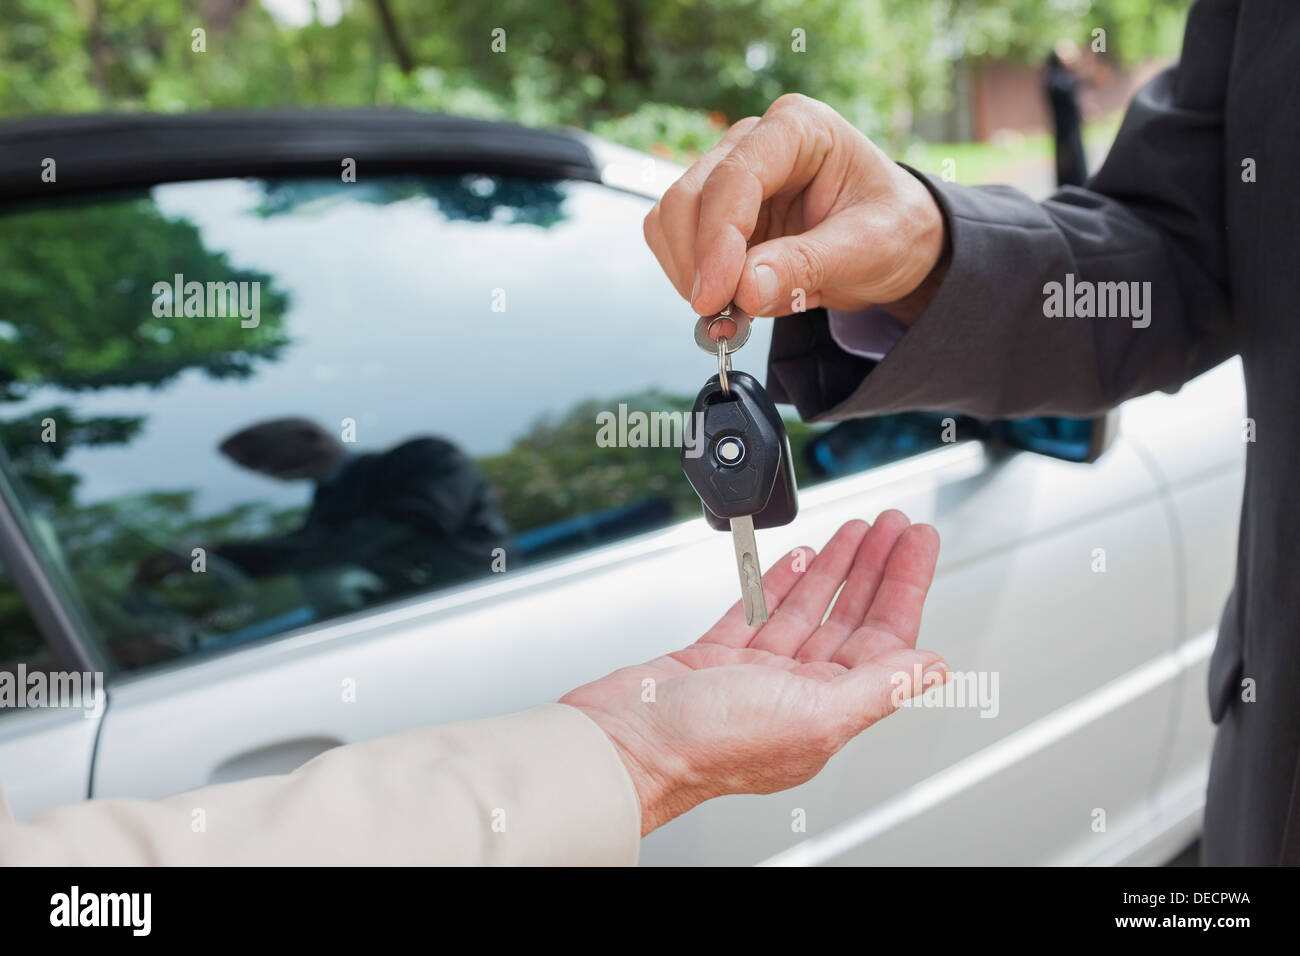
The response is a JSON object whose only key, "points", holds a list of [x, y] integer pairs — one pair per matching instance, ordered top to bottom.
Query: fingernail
{"points": [[767, 284], [695, 289], [937, 672]]}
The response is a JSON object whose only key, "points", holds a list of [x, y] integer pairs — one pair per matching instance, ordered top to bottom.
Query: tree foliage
{"points": [[689, 65], [76, 301]]}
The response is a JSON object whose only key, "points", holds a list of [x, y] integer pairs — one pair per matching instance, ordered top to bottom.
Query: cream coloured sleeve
{"points": [[540, 787]]}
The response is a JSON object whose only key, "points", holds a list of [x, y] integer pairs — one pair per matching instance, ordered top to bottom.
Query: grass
{"points": [[973, 163]]}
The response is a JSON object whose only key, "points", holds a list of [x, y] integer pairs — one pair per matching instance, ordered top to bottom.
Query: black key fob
{"points": [[738, 459]]}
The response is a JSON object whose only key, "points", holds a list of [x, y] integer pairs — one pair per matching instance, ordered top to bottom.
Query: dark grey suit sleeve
{"points": [[1153, 213]]}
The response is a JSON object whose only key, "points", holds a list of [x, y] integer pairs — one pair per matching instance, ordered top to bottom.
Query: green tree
{"points": [[637, 70], [77, 301]]}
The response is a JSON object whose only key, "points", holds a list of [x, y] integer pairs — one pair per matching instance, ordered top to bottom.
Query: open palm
{"points": [[760, 709]]}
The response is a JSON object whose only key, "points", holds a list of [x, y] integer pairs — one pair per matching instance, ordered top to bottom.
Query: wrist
{"points": [[932, 244], [932, 252], [917, 254], [908, 308], [664, 784]]}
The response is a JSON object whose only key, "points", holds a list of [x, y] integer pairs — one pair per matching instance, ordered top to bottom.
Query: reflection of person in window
{"points": [[415, 516]]}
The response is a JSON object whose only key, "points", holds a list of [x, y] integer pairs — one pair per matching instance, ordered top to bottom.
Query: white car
{"points": [[484, 290]]}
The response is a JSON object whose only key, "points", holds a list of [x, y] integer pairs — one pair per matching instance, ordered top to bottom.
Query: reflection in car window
{"points": [[241, 407]]}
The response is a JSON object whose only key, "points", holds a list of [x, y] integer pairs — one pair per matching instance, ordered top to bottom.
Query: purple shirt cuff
{"points": [[870, 333]]}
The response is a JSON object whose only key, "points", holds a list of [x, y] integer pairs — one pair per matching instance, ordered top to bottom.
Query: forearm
{"points": [[1068, 306], [1022, 321], [544, 786]]}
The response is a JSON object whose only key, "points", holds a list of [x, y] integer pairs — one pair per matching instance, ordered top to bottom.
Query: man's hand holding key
{"points": [[798, 200]]}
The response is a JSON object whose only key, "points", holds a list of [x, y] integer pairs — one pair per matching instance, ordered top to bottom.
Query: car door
{"points": [[1195, 441], [257, 615], [1052, 757]]}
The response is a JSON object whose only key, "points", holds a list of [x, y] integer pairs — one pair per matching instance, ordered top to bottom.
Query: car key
{"points": [[743, 472]]}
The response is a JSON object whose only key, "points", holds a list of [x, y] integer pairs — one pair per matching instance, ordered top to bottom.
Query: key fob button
{"points": [[726, 416], [730, 451], [734, 487]]}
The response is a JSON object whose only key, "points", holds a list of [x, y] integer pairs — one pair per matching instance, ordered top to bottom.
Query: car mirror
{"points": [[1069, 439], [859, 444]]}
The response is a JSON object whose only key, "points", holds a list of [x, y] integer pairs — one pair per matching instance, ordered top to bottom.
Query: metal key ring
{"points": [[705, 323], [724, 364]]}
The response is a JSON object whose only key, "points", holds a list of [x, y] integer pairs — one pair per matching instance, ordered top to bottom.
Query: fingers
{"points": [[781, 153], [826, 210], [671, 225], [657, 240], [775, 270], [859, 590], [802, 611], [894, 618], [732, 629], [865, 694]]}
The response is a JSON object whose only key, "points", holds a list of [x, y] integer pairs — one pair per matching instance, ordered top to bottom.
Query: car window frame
{"points": [[51, 604]]}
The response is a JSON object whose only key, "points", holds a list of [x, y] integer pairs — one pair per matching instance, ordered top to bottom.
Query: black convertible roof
{"points": [[112, 150]]}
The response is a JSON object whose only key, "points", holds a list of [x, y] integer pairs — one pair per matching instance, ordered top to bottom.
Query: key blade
{"points": [[751, 572]]}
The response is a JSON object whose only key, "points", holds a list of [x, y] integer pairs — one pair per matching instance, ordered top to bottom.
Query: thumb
{"points": [[788, 274], [870, 692]]}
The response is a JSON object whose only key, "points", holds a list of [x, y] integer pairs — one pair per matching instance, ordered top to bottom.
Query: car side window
{"points": [[240, 407]]}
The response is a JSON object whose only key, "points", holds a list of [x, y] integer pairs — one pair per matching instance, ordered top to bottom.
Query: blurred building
{"points": [[993, 98]]}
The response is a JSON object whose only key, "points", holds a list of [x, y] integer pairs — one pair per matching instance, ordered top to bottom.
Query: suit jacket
{"points": [[1198, 197], [544, 786]]}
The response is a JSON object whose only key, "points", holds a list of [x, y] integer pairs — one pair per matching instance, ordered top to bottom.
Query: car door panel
{"points": [[1195, 443], [1210, 539], [1053, 630], [506, 645], [483, 650], [45, 758]]}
